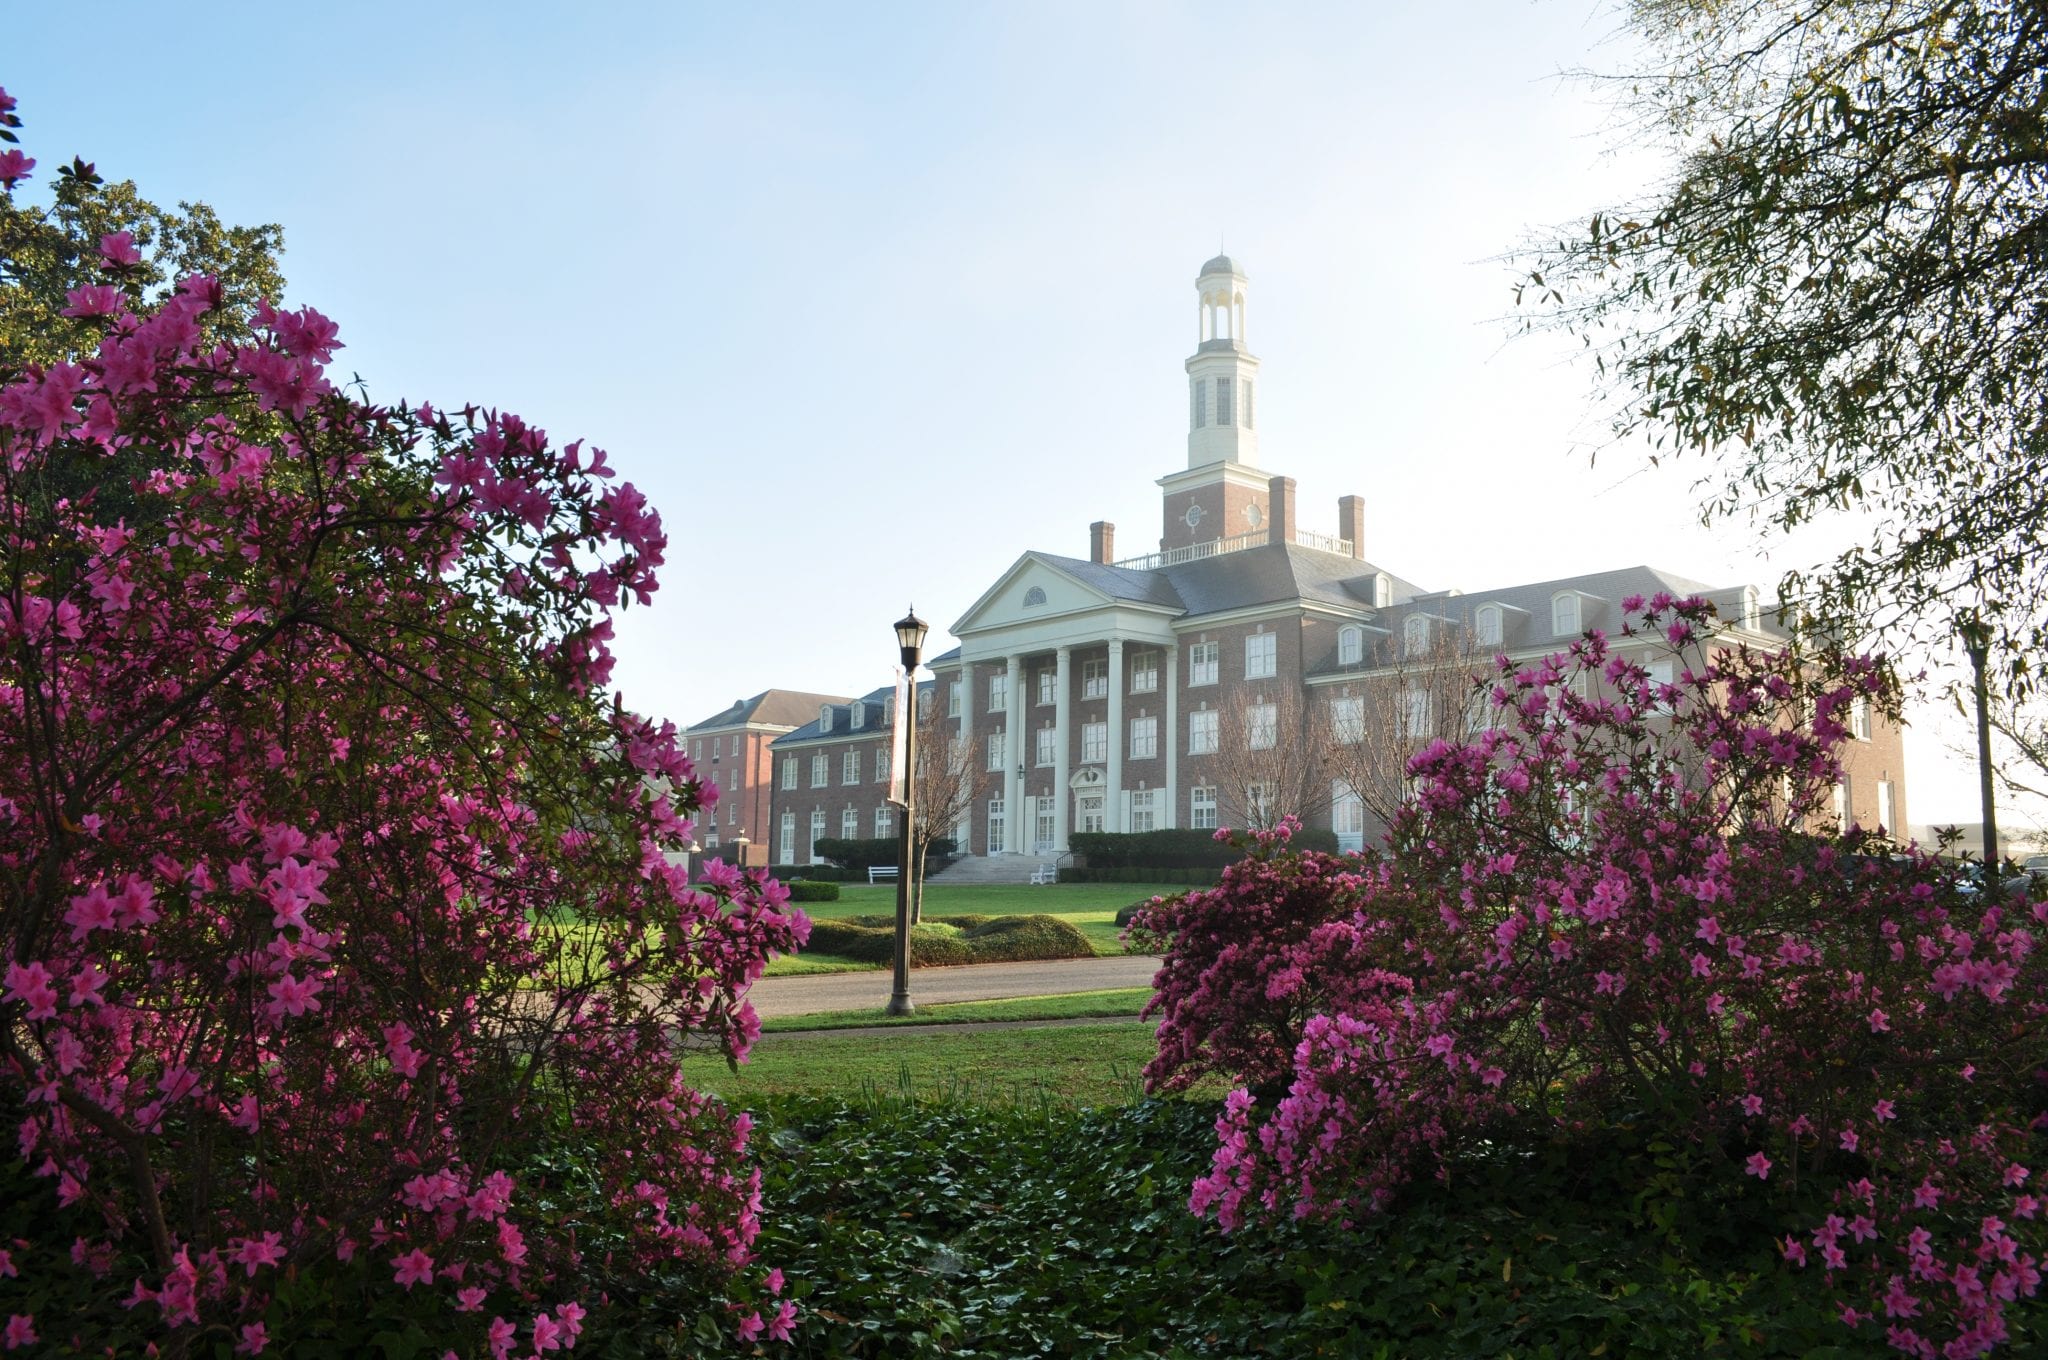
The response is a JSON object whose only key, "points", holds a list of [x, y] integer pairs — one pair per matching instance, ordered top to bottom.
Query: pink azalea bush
{"points": [[331, 882], [1607, 909]]}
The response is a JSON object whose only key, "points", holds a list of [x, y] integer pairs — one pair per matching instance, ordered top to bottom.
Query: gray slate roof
{"points": [[770, 708], [877, 717]]}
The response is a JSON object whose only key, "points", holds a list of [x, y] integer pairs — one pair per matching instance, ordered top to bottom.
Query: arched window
{"points": [[1382, 590], [1033, 597], [1564, 613], [1752, 615], [1488, 626], [1415, 635], [1350, 646], [824, 717]]}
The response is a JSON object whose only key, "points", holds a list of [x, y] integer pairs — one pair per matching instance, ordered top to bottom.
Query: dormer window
{"points": [[1382, 590], [1752, 613], [1564, 614], [1488, 626], [1415, 635], [1350, 646], [857, 716], [824, 717]]}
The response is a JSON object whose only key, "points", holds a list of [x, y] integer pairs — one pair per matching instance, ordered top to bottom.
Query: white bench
{"points": [[882, 873], [1043, 875]]}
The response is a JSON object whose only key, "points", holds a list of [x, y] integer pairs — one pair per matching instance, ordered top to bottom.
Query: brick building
{"points": [[1183, 686], [731, 750]]}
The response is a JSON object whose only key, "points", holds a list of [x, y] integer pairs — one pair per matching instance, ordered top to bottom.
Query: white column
{"points": [[1171, 660], [1117, 737], [1062, 769], [1014, 830]]}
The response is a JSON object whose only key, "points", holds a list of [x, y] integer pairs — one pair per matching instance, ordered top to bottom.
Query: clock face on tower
{"points": [[1194, 517]]}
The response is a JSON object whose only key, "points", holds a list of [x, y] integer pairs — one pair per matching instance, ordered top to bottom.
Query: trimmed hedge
{"points": [[1178, 848], [856, 857], [816, 873], [1142, 873], [807, 890], [945, 940]]}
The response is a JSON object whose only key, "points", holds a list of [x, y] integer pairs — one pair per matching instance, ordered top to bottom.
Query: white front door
{"points": [[1088, 807], [1041, 829]]}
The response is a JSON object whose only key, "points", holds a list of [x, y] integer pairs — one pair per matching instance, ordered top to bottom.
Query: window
{"points": [[1223, 386], [1247, 403], [1198, 418], [1382, 590], [1034, 597], [1564, 614], [1752, 614], [1489, 626], [1415, 635], [1350, 646], [1259, 655], [1203, 660], [1145, 673], [1660, 673], [1095, 679], [1047, 682], [998, 693], [953, 699], [1418, 714], [824, 717], [856, 718], [1859, 718], [1347, 719], [1261, 727], [1202, 732], [1144, 738], [1048, 740], [1094, 742], [717, 748], [995, 750], [882, 765], [849, 767], [821, 770], [789, 773], [1260, 799], [1842, 805], [1202, 807], [732, 811], [1885, 811], [1143, 814], [1347, 815], [885, 822], [849, 824], [995, 825], [817, 833], [711, 835], [785, 842]]}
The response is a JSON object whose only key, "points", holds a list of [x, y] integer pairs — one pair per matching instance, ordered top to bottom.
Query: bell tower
{"points": [[1220, 494]]}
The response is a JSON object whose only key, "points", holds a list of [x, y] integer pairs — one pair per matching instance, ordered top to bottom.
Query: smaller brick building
{"points": [[731, 750]]}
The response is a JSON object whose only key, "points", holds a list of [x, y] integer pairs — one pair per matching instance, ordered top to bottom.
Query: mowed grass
{"points": [[1089, 907], [1106, 1004], [1064, 1065]]}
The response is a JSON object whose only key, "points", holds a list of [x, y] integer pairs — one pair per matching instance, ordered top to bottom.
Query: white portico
{"points": [[1066, 687]]}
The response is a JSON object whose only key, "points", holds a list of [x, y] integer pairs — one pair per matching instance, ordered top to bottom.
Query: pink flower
{"points": [[14, 166], [117, 251], [93, 299], [294, 997], [1879, 1022], [1752, 1105], [1883, 1110], [1759, 1166], [252, 1253], [414, 1267], [774, 1280], [470, 1299], [784, 1320], [750, 1327], [21, 1331], [547, 1334], [502, 1335], [254, 1338]]}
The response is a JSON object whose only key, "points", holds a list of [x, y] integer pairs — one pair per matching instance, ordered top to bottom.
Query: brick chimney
{"points": [[1280, 509], [1351, 523], [1102, 542]]}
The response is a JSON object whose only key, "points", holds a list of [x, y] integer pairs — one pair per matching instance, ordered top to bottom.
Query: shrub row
{"points": [[1177, 848], [858, 856], [815, 873], [1141, 873], [806, 890], [944, 940]]}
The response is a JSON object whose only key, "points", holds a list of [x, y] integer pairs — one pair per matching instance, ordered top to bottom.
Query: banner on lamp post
{"points": [[899, 737]]}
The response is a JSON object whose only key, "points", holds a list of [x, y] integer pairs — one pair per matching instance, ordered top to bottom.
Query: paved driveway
{"points": [[973, 982]]}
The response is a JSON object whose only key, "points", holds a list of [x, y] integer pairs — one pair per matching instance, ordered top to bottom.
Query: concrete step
{"points": [[994, 869]]}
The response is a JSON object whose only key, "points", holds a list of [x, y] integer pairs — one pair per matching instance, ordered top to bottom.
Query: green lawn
{"points": [[1090, 907], [1109, 1003], [1065, 1065]]}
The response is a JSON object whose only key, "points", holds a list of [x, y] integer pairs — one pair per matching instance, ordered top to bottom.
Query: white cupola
{"points": [[1222, 374]]}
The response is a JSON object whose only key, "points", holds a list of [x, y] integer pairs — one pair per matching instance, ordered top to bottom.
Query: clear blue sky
{"points": [[872, 299]]}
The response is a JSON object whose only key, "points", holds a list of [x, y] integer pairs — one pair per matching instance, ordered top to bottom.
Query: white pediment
{"points": [[1032, 589]]}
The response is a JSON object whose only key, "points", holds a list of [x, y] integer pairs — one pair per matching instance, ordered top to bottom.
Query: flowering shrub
{"points": [[329, 879], [1604, 910]]}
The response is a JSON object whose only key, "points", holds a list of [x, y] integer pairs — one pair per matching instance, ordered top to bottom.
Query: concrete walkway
{"points": [[775, 996]]}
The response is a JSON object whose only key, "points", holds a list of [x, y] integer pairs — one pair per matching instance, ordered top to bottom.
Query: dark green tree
{"points": [[1838, 295]]}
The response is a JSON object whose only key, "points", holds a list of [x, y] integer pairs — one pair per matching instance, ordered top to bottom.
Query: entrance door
{"points": [[1088, 807], [996, 822], [1041, 829]]}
